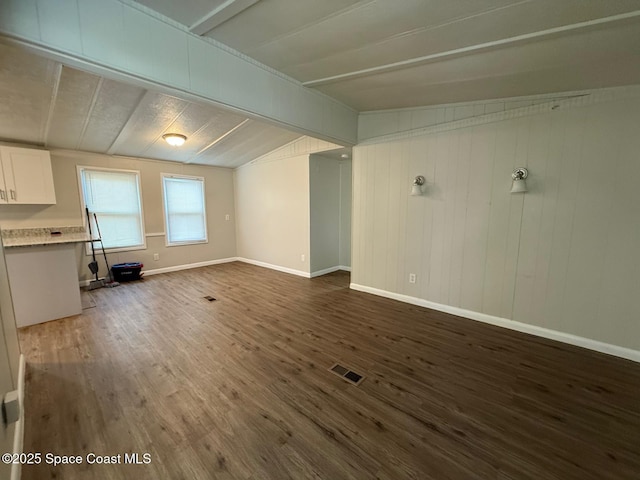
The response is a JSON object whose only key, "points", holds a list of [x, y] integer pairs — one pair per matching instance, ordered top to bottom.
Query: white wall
{"points": [[324, 207], [273, 208], [67, 211], [272, 212], [345, 213], [563, 256]]}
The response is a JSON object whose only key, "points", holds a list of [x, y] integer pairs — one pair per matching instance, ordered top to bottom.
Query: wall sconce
{"points": [[519, 183], [416, 188]]}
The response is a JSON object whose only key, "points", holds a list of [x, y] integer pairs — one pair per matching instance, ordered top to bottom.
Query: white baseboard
{"points": [[187, 266], [175, 268], [329, 270], [292, 271], [602, 347], [18, 434]]}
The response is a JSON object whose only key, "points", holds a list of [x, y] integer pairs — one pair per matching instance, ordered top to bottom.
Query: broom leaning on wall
{"points": [[93, 265], [111, 283]]}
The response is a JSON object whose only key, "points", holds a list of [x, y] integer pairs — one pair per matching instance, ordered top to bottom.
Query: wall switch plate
{"points": [[227, 217], [156, 256], [302, 257], [412, 278]]}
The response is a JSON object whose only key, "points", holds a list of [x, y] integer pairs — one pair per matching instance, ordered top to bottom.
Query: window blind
{"points": [[114, 196], [184, 210]]}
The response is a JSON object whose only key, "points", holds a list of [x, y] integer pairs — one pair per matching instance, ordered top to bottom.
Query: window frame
{"points": [[80, 169], [168, 242]]}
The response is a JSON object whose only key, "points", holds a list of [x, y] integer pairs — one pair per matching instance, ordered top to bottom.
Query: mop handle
{"points": [[86, 209], [95, 218]]}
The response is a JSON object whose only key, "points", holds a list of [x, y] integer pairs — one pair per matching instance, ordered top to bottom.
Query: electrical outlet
{"points": [[227, 217], [156, 256], [302, 257], [412, 278]]}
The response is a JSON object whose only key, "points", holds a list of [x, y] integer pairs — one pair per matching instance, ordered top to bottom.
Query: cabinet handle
{"points": [[13, 195]]}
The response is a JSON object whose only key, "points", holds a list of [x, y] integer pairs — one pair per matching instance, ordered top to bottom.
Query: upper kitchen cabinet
{"points": [[26, 176]]}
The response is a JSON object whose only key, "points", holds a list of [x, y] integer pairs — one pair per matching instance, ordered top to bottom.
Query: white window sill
{"points": [[182, 244]]}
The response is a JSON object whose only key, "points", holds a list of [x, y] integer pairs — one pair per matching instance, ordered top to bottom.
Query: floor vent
{"points": [[210, 298], [348, 375]]}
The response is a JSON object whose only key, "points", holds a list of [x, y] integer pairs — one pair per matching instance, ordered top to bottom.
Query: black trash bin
{"points": [[125, 272]]}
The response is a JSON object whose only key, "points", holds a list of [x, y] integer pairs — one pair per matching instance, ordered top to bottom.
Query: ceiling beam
{"points": [[218, 16], [121, 42], [459, 52], [55, 88], [87, 118], [128, 126], [219, 139]]}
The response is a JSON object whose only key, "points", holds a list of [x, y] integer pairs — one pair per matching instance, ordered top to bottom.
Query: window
{"points": [[114, 196], [184, 209]]}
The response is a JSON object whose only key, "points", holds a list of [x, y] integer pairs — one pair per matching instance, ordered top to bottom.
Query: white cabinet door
{"points": [[27, 176], [4, 195]]}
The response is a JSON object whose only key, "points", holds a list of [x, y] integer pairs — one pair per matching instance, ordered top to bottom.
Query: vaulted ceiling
{"points": [[368, 54], [382, 54]]}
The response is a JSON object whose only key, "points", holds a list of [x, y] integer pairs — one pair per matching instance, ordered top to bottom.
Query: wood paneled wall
{"points": [[383, 122], [302, 146], [563, 256]]}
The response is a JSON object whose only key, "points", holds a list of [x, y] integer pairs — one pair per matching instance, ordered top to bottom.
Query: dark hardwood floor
{"points": [[239, 388]]}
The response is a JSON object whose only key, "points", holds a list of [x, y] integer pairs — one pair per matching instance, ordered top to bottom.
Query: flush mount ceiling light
{"points": [[174, 139], [519, 182], [416, 188]]}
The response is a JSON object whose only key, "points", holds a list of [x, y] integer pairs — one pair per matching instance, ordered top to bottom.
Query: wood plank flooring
{"points": [[238, 388]]}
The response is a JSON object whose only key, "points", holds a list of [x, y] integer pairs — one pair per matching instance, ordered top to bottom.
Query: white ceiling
{"points": [[451, 51], [369, 54], [45, 103]]}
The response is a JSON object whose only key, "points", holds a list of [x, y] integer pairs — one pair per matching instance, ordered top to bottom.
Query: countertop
{"points": [[27, 237]]}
